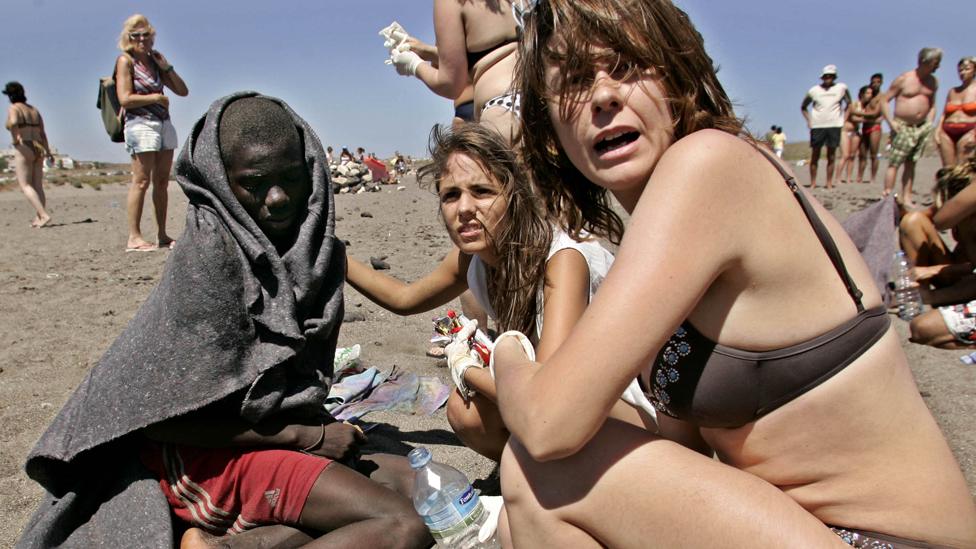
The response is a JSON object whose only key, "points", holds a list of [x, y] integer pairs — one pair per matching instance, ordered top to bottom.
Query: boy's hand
{"points": [[340, 441]]}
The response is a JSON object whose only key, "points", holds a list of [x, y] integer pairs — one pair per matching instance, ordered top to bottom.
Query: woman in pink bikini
{"points": [[955, 136]]}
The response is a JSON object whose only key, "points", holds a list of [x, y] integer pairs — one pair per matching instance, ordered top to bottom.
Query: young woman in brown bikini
{"points": [[956, 134], [30, 148], [772, 354]]}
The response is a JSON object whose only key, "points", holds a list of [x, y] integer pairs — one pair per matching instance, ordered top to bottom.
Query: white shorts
{"points": [[147, 135], [961, 321]]}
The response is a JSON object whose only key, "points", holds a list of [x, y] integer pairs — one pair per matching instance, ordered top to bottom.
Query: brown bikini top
{"points": [[712, 385]]}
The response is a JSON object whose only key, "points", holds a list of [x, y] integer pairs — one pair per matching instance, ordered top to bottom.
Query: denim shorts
{"points": [[147, 135]]}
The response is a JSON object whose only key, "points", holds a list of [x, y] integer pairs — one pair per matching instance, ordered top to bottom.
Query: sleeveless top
{"points": [[147, 80], [598, 261], [712, 385]]}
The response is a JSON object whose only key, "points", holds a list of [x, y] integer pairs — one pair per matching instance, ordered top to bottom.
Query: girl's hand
{"points": [[162, 100], [460, 357]]}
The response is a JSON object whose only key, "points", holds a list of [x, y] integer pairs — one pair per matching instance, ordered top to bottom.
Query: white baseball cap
{"points": [[829, 69]]}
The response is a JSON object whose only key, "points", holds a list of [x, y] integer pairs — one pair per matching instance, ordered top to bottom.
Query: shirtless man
{"points": [[830, 100], [912, 122]]}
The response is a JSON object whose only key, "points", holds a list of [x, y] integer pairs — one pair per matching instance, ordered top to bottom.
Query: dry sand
{"points": [[67, 291]]}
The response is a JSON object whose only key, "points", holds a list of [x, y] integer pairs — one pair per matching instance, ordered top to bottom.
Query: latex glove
{"points": [[394, 35], [406, 61], [524, 341], [460, 357], [635, 396], [492, 504]]}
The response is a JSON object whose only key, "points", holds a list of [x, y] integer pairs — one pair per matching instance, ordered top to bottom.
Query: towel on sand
{"points": [[873, 230], [229, 317], [354, 396]]}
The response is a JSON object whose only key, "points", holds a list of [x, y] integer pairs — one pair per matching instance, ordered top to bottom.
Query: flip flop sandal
{"points": [[147, 247], [436, 352]]}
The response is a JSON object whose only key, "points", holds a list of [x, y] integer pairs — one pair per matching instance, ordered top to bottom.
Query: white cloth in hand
{"points": [[394, 35], [406, 61], [460, 357]]}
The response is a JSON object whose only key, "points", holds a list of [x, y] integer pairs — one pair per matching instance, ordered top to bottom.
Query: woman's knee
{"points": [[140, 181], [912, 222], [928, 329], [462, 415], [478, 424]]}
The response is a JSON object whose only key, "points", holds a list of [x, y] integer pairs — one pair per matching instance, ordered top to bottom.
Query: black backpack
{"points": [[108, 103]]}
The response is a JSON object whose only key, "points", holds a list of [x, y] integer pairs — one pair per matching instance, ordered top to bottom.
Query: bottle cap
{"points": [[418, 457]]}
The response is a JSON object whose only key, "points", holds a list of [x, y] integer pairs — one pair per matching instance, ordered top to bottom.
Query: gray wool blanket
{"points": [[874, 232], [230, 318]]}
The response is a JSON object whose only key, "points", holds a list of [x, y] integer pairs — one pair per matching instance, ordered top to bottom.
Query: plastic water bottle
{"points": [[907, 296], [450, 507]]}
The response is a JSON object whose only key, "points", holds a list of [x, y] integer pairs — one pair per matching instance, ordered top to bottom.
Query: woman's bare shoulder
{"points": [[708, 155]]}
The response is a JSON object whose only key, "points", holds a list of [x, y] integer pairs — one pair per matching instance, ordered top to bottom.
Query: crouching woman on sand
{"points": [[775, 355]]}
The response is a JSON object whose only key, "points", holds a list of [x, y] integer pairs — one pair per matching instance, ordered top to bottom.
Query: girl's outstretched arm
{"points": [[447, 281]]}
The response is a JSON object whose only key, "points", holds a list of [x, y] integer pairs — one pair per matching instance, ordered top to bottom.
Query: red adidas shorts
{"points": [[230, 490]]}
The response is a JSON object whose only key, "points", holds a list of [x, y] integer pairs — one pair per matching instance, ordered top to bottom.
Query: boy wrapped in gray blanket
{"points": [[209, 406]]}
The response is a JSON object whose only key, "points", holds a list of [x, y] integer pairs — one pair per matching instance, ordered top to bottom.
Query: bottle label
{"points": [[456, 517]]}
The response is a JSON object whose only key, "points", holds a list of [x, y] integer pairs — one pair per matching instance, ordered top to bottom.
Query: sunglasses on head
{"points": [[138, 35]]}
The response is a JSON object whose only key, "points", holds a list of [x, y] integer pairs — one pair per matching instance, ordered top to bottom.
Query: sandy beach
{"points": [[67, 291]]}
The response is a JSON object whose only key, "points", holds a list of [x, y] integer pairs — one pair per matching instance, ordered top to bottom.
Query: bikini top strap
{"points": [[821, 231]]}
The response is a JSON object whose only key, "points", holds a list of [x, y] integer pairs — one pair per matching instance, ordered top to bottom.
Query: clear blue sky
{"points": [[325, 59]]}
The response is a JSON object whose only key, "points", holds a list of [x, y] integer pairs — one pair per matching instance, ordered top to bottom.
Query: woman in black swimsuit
{"points": [[475, 47], [30, 148], [738, 301]]}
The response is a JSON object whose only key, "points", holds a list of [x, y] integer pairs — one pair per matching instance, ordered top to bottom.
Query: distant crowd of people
{"points": [[855, 127]]}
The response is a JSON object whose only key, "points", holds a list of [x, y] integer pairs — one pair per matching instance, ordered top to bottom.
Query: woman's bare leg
{"points": [[853, 146], [947, 148], [845, 153], [26, 163], [862, 163], [142, 166], [37, 183], [160, 196], [921, 241], [930, 329], [478, 424], [627, 488]]}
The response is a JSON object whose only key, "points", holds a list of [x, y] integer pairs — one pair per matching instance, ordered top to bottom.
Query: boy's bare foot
{"points": [[165, 242], [195, 538]]}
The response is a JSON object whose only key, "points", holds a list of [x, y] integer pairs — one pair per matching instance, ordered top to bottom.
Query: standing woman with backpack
{"points": [[141, 73], [30, 147]]}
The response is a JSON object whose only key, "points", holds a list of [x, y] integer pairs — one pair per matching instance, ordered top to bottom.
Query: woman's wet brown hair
{"points": [[625, 37], [522, 242]]}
